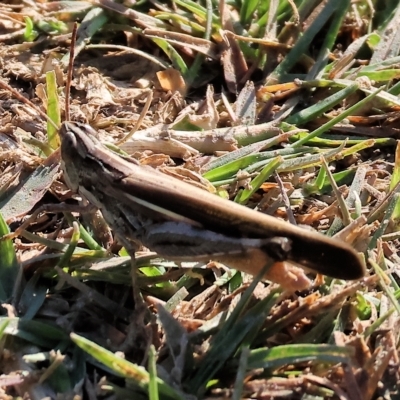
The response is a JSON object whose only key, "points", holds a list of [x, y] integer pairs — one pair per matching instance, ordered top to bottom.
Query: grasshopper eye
{"points": [[67, 136], [70, 140]]}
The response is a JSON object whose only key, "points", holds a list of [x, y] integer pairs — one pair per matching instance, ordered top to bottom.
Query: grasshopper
{"points": [[181, 222]]}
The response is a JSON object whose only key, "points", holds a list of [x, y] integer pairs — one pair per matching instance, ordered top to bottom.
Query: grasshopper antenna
{"points": [[69, 72]]}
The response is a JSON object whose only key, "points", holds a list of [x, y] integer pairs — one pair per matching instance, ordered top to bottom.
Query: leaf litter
{"points": [[228, 90]]}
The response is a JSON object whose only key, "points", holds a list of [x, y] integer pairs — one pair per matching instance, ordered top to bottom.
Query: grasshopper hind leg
{"points": [[140, 333]]}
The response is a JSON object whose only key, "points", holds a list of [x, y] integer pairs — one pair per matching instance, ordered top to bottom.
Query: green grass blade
{"points": [[198, 10], [247, 10], [91, 24], [30, 34], [303, 43], [174, 56], [194, 69], [319, 108], [53, 110], [337, 119], [252, 162], [341, 178], [395, 179], [244, 196], [393, 204], [345, 205], [84, 234], [64, 260], [9, 266], [387, 290], [32, 297], [36, 332], [227, 340], [279, 356], [122, 367], [153, 386]]}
